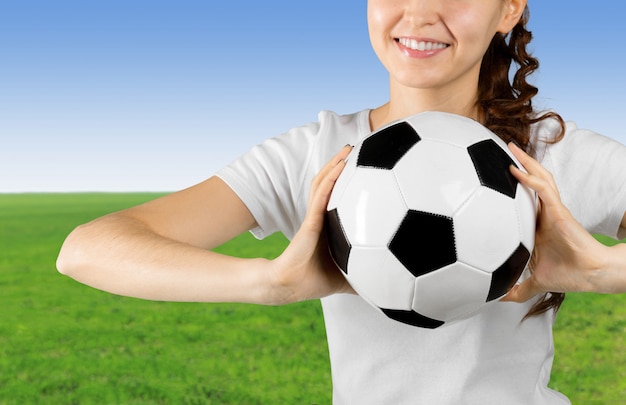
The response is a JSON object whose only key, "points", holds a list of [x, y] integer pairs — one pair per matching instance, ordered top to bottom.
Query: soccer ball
{"points": [[427, 223]]}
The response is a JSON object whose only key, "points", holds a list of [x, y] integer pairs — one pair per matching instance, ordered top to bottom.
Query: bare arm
{"points": [[160, 250]]}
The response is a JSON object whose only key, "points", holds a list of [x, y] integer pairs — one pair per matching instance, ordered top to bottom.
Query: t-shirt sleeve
{"points": [[590, 171], [269, 179], [273, 179]]}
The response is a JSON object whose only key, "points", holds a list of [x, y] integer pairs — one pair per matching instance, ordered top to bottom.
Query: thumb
{"points": [[522, 292]]}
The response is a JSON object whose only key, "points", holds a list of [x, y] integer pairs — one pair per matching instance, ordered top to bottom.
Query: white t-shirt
{"points": [[490, 358]]}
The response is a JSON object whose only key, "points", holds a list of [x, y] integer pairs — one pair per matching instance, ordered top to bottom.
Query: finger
{"points": [[532, 166], [328, 167], [536, 177], [322, 189], [548, 194], [321, 196], [522, 292]]}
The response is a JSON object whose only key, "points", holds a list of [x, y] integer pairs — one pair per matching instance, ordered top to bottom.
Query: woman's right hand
{"points": [[305, 269]]}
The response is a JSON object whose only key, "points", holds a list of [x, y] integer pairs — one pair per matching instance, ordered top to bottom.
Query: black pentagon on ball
{"points": [[383, 149], [492, 166], [424, 242], [338, 243], [504, 278], [412, 318]]}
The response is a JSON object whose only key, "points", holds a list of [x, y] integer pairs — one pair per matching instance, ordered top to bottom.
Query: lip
{"points": [[426, 47]]}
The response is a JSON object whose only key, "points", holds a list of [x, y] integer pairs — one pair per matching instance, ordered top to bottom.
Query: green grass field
{"points": [[65, 343]]}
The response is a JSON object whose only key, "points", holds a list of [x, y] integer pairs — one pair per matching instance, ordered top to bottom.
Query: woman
{"points": [[444, 55]]}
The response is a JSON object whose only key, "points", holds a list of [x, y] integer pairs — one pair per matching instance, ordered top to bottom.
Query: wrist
{"points": [[610, 277], [260, 282], [278, 285]]}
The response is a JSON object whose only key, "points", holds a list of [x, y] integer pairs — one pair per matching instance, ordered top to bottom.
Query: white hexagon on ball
{"points": [[452, 177], [370, 193], [486, 229], [465, 287]]}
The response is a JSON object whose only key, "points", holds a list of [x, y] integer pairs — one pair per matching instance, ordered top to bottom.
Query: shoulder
{"points": [[355, 120], [331, 125], [352, 126], [337, 130], [314, 140], [313, 144], [576, 145], [588, 169], [273, 178]]}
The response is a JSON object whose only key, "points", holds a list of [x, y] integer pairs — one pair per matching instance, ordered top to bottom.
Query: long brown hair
{"points": [[505, 106]]}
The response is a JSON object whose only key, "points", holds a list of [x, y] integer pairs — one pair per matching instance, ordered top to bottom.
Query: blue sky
{"points": [[133, 95]]}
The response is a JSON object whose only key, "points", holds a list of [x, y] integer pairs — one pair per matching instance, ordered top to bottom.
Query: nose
{"points": [[422, 12]]}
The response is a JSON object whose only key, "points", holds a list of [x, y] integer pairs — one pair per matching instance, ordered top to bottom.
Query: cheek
{"points": [[383, 15], [375, 18], [379, 24], [469, 32]]}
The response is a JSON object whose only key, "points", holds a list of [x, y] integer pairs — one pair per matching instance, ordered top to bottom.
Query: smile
{"points": [[421, 45]]}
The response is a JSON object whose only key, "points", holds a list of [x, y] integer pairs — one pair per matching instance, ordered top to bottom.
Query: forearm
{"points": [[119, 255]]}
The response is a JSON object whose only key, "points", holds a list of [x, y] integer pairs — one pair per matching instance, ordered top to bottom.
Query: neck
{"points": [[405, 101]]}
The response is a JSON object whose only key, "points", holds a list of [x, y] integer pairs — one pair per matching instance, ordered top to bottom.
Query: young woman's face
{"points": [[436, 43]]}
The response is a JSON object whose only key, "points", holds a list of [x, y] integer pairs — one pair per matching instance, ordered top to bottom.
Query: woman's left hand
{"points": [[566, 257]]}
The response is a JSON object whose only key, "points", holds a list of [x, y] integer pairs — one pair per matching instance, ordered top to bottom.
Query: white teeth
{"points": [[421, 45]]}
